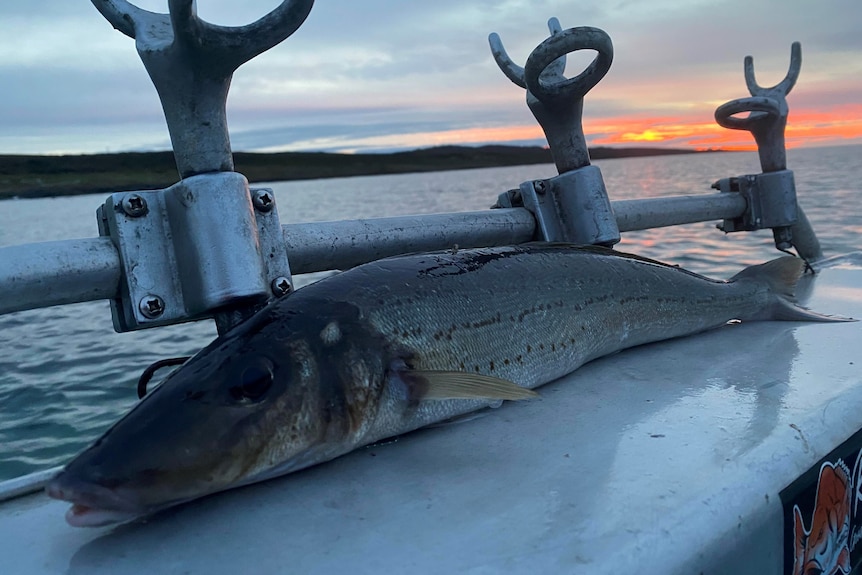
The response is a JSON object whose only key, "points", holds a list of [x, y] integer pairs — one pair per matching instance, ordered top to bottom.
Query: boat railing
{"points": [[213, 246]]}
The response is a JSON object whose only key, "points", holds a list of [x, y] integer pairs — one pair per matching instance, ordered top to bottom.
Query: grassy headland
{"points": [[40, 176]]}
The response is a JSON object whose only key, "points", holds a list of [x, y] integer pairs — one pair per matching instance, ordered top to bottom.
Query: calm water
{"points": [[65, 376]]}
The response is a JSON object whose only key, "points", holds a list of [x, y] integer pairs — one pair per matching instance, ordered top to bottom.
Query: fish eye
{"points": [[254, 381]]}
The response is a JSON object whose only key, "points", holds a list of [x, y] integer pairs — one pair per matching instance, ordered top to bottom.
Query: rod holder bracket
{"points": [[766, 120], [771, 203], [572, 207], [194, 249]]}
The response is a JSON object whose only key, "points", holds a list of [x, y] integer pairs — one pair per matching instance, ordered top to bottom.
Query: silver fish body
{"points": [[389, 347]]}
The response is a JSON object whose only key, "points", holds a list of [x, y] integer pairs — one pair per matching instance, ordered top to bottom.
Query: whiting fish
{"points": [[392, 346]]}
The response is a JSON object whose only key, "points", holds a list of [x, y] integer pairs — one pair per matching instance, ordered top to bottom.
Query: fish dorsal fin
{"points": [[781, 274], [431, 385]]}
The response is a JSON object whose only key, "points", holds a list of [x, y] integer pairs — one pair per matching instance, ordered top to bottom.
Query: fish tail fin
{"points": [[782, 275]]}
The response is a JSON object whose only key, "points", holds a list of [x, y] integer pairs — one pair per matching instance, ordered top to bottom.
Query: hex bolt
{"points": [[263, 200], [135, 206], [281, 286], [151, 306]]}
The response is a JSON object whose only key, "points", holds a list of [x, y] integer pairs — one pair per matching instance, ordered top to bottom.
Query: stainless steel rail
{"points": [[651, 213], [62, 272], [56, 273]]}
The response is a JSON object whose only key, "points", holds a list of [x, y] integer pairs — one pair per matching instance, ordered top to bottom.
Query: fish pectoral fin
{"points": [[429, 385]]}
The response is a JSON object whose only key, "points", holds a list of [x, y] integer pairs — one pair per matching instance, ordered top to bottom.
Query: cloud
{"points": [[382, 74]]}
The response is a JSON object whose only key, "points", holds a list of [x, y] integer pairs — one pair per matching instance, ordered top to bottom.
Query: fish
{"points": [[392, 346]]}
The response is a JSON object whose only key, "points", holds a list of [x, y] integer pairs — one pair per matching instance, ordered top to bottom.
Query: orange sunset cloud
{"points": [[843, 123], [837, 125], [804, 127]]}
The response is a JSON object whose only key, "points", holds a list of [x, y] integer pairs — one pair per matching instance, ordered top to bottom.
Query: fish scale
{"points": [[531, 314]]}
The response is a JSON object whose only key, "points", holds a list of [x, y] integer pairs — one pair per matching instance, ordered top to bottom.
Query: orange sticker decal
{"points": [[823, 515], [825, 546]]}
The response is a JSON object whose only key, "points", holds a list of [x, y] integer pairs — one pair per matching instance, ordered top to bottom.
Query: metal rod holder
{"points": [[191, 63], [557, 103], [768, 111], [766, 120], [218, 262]]}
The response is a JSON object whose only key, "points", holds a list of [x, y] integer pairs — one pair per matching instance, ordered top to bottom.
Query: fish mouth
{"points": [[93, 505]]}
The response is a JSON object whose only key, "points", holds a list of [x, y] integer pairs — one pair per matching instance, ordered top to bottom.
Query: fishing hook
{"points": [[153, 368]]}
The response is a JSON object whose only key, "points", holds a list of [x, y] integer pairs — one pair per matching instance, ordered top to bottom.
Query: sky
{"points": [[383, 75]]}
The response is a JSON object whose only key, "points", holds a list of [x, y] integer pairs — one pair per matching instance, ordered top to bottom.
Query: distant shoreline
{"points": [[24, 176]]}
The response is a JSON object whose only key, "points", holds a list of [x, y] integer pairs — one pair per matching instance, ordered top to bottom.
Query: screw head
{"points": [[539, 186], [263, 200], [135, 206], [281, 286], [151, 306]]}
